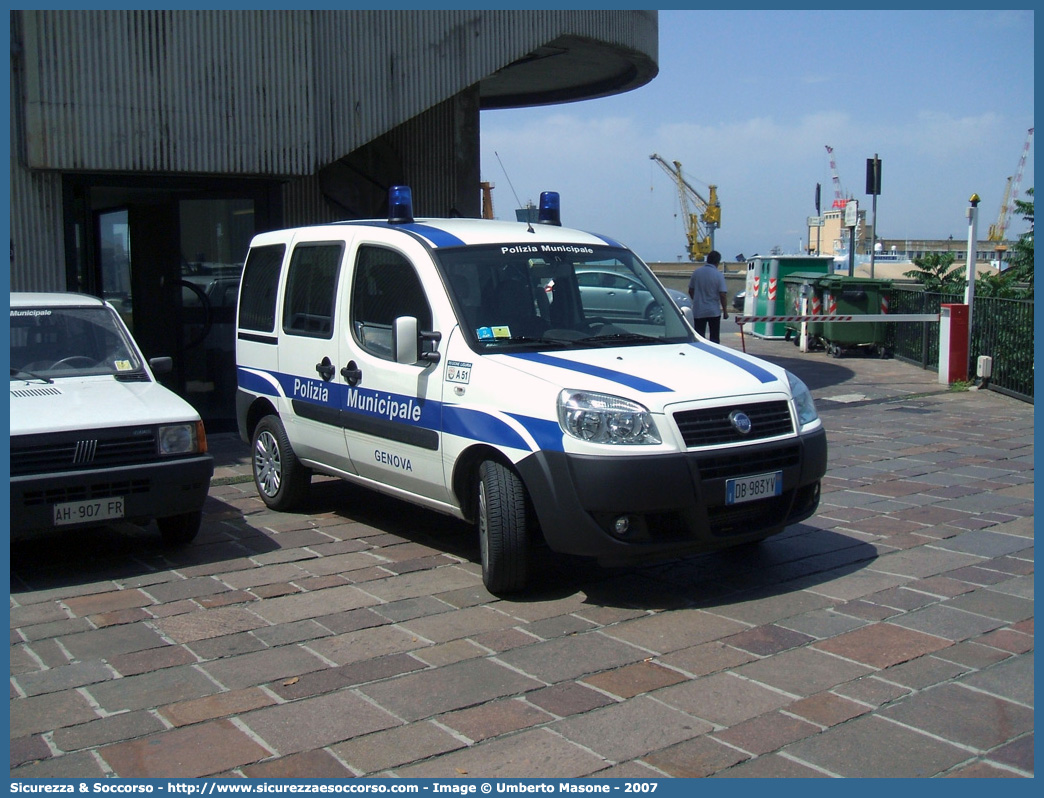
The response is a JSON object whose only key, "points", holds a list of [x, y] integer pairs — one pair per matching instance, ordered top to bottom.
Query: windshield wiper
{"points": [[620, 338], [528, 339], [16, 371]]}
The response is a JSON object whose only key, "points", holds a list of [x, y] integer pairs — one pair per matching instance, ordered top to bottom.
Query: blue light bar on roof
{"points": [[400, 205], [550, 208]]}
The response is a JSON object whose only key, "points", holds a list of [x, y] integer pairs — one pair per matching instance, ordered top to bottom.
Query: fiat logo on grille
{"points": [[740, 421]]}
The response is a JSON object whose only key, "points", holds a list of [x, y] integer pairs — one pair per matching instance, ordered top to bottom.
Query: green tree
{"points": [[1020, 262], [935, 271], [1016, 281]]}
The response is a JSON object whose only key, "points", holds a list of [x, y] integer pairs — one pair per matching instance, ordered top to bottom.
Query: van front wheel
{"points": [[281, 480], [503, 534]]}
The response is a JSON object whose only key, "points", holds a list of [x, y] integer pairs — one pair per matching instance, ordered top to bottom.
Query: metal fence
{"points": [[1001, 328]]}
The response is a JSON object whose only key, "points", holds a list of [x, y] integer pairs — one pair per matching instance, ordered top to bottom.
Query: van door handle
{"points": [[325, 369], [352, 373]]}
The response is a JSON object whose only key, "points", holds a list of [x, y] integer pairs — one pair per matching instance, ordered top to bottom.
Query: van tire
{"points": [[281, 481], [502, 528], [180, 530]]}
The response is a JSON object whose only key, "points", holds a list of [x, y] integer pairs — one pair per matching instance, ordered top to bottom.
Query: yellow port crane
{"points": [[1011, 193], [705, 214]]}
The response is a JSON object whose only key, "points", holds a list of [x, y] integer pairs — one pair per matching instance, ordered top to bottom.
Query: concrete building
{"points": [[147, 147], [833, 239]]}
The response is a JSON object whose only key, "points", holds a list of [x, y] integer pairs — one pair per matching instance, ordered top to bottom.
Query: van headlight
{"points": [[803, 404], [602, 418], [182, 438]]}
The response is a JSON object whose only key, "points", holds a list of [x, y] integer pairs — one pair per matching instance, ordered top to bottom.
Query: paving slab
{"points": [[890, 634], [958, 714], [871, 746]]}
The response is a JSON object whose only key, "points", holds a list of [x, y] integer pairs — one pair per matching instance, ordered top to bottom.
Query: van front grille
{"points": [[713, 426]]}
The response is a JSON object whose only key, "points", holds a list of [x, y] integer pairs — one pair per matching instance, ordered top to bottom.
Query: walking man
{"points": [[709, 297]]}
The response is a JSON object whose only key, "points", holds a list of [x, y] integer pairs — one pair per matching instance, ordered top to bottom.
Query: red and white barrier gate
{"points": [[896, 317]]}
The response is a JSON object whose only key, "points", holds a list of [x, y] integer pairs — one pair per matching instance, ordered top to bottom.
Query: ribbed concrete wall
{"points": [[262, 92], [273, 94], [37, 253]]}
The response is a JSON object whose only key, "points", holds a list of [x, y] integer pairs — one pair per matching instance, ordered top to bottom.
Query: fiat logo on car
{"points": [[740, 421]]}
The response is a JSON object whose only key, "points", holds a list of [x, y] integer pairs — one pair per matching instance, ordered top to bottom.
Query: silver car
{"points": [[621, 296]]}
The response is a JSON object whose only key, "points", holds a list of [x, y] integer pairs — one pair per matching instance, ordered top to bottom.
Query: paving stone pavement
{"points": [[889, 635]]}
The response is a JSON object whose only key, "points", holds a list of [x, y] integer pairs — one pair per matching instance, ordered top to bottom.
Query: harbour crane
{"points": [[1011, 193], [840, 201], [702, 219]]}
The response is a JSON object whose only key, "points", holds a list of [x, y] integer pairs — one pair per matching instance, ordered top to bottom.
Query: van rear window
{"points": [[257, 304]]}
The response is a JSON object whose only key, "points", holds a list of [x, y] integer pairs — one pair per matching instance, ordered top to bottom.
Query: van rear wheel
{"points": [[281, 481], [502, 528]]}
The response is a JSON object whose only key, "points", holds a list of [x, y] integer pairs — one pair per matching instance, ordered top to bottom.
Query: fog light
{"points": [[622, 525]]}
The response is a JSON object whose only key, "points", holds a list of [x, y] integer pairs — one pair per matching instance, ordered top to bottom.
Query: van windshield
{"points": [[558, 295], [55, 342]]}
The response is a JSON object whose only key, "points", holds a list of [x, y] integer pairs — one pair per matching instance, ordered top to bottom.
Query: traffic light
{"points": [[873, 175]]}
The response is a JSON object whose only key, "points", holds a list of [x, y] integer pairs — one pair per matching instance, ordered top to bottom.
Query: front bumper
{"points": [[149, 490], [675, 504]]}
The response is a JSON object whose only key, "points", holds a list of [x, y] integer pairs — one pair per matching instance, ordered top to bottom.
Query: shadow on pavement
{"points": [[127, 551], [802, 551]]}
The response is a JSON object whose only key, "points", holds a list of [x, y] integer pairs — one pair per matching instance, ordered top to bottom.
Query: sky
{"points": [[749, 100]]}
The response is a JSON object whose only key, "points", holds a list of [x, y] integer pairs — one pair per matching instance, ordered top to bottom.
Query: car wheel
{"points": [[654, 313], [281, 480], [502, 528], [180, 530]]}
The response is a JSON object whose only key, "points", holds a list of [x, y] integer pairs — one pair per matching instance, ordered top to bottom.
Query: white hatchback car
{"points": [[94, 437]]}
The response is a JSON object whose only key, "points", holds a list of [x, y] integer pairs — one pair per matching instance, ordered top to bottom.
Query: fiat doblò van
{"points": [[468, 366]]}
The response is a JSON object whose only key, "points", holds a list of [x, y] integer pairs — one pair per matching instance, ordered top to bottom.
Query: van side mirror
{"points": [[687, 313], [408, 340], [161, 365]]}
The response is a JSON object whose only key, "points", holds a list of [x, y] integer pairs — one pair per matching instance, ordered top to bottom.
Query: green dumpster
{"points": [[765, 278], [798, 286], [855, 296]]}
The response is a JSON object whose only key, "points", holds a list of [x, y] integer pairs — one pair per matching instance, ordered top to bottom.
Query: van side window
{"points": [[385, 287], [311, 289], [257, 307]]}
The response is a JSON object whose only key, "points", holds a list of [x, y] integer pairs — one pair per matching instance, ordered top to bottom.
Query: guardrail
{"points": [[809, 318], [741, 320], [1001, 328]]}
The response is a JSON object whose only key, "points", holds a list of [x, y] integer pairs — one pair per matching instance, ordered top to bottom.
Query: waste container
{"points": [[766, 277], [798, 286], [855, 296]]}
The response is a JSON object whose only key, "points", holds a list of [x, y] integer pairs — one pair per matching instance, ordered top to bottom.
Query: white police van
{"points": [[459, 364]]}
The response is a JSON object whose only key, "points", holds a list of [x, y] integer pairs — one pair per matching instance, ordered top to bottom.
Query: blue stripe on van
{"points": [[437, 237], [608, 241], [762, 375], [631, 381], [255, 383], [474, 425], [479, 426], [547, 434]]}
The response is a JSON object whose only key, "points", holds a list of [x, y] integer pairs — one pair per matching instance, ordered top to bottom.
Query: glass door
{"points": [[214, 238], [114, 258]]}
